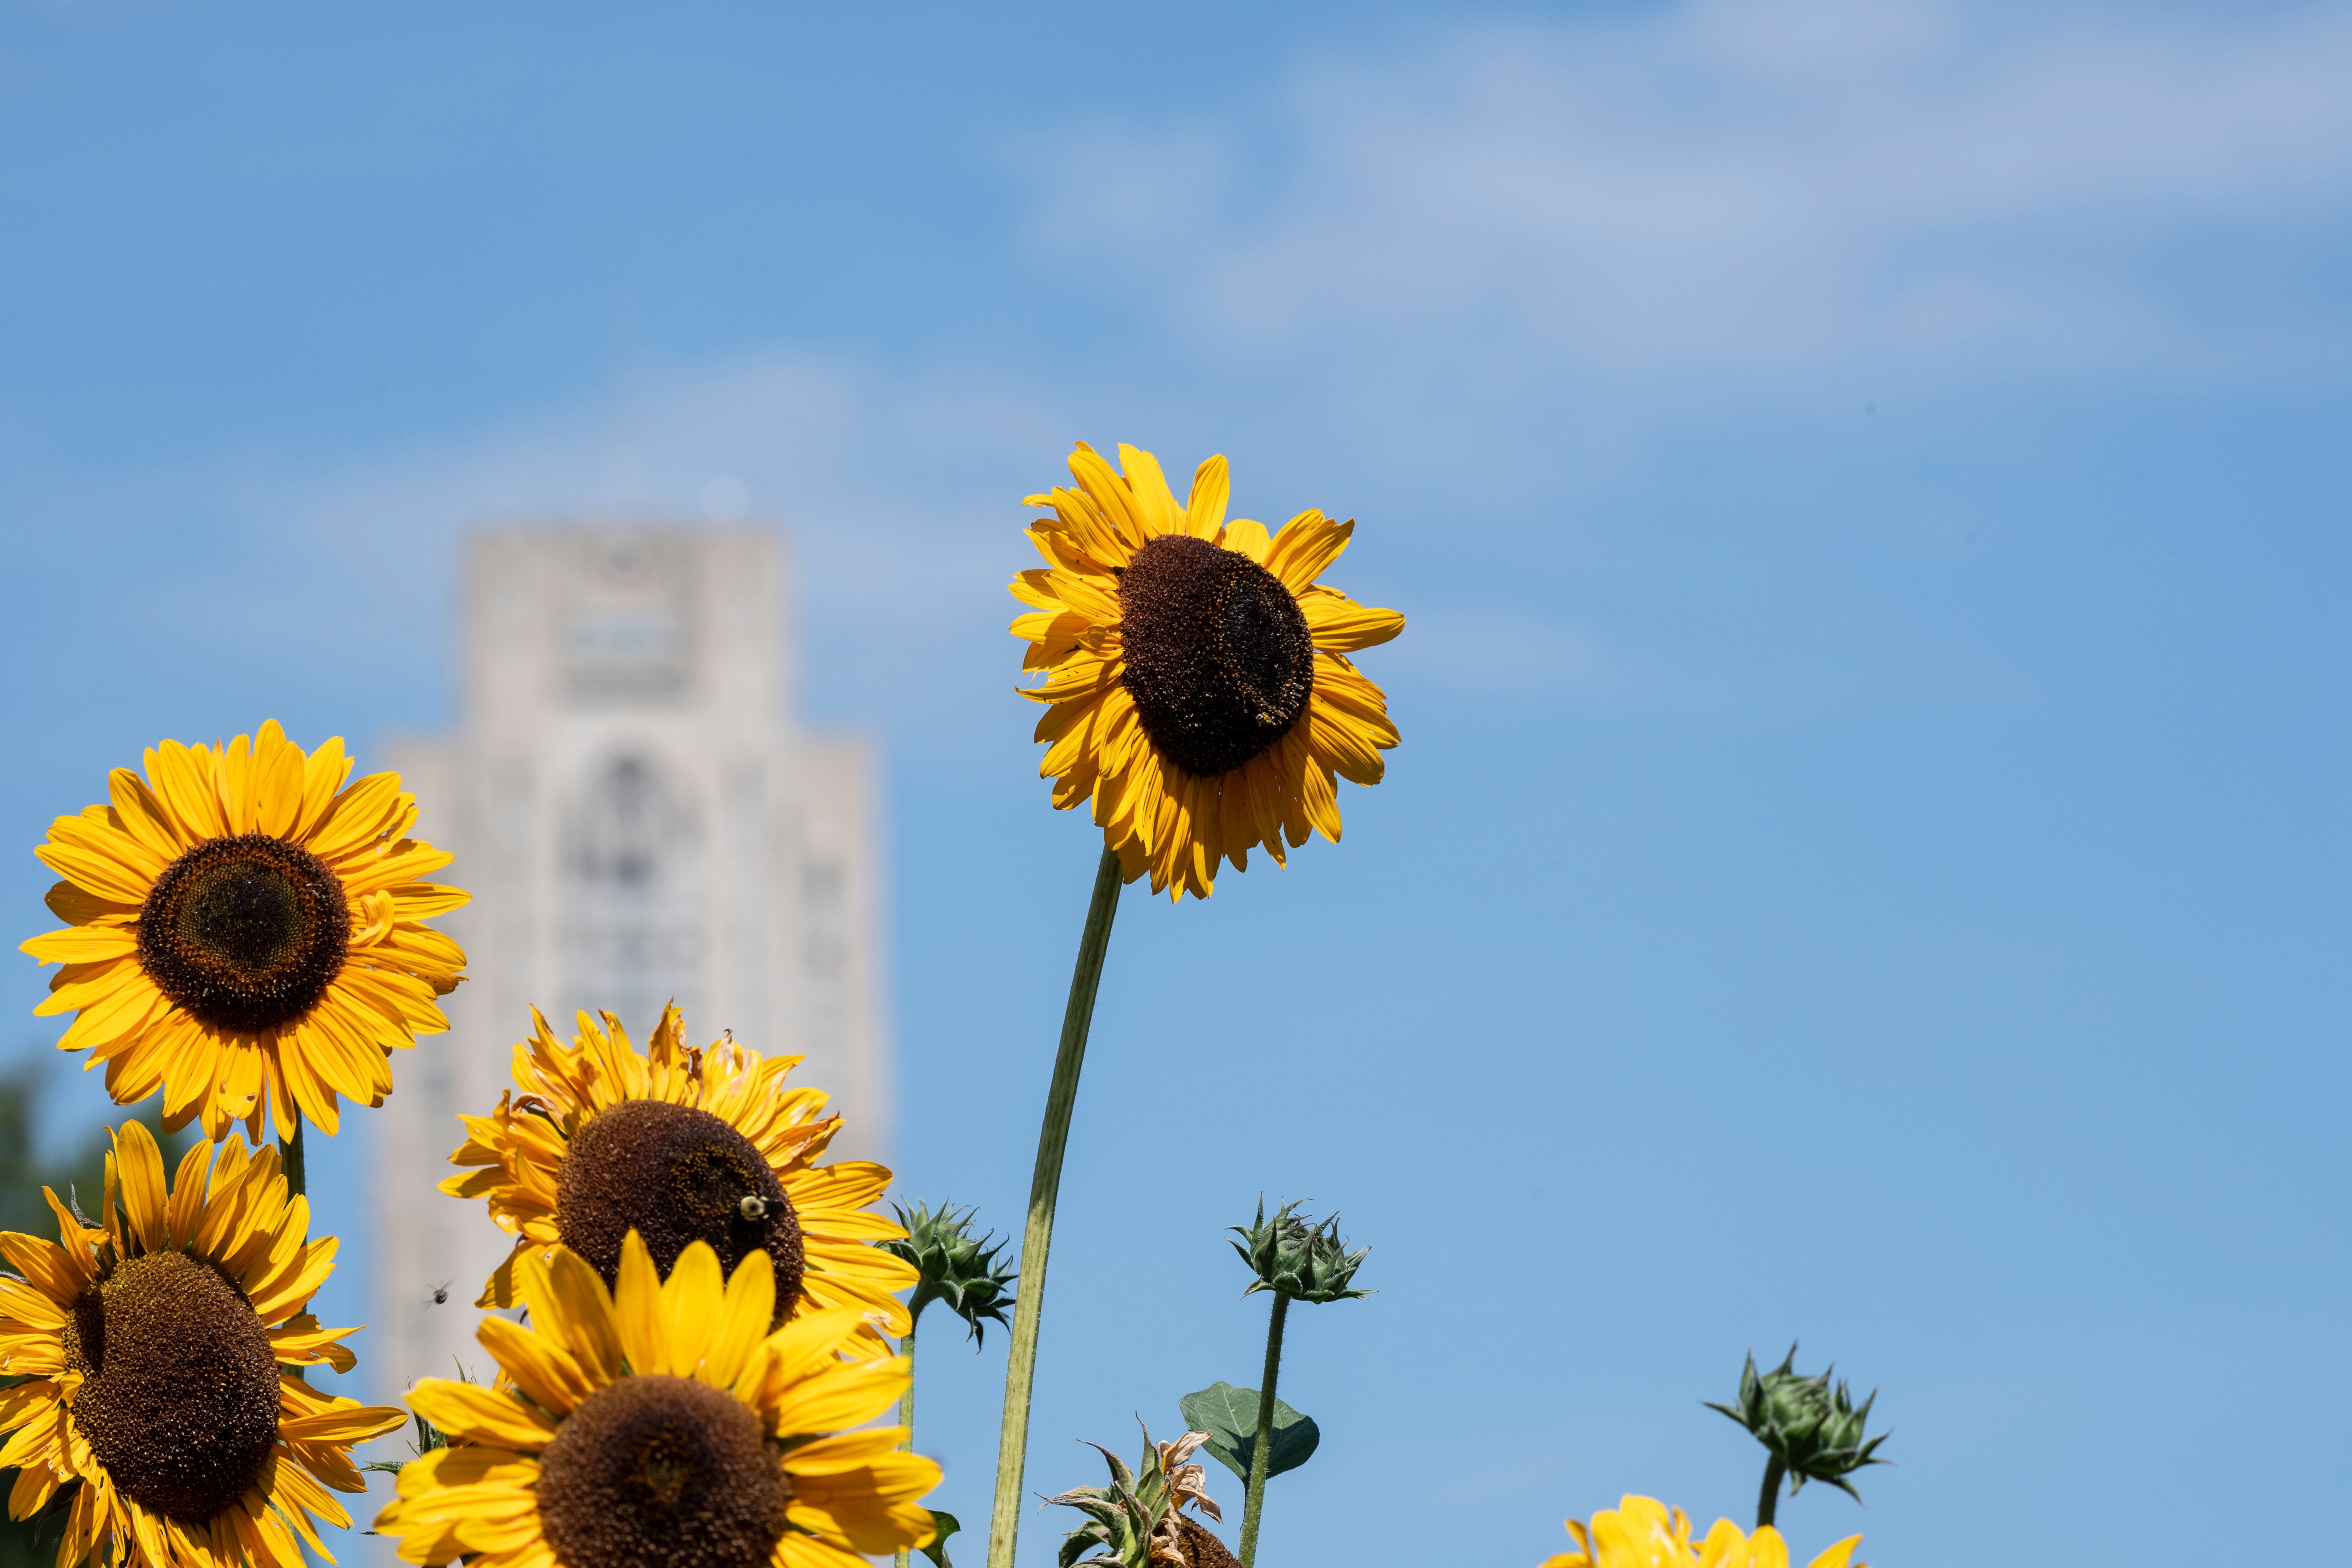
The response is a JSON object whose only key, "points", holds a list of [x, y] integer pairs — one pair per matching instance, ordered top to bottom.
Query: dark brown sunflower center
{"points": [[1218, 658], [245, 933], [676, 1175], [179, 1393], [661, 1472], [1202, 1550]]}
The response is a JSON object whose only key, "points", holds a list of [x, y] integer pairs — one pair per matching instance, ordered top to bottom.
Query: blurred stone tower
{"points": [[637, 818]]}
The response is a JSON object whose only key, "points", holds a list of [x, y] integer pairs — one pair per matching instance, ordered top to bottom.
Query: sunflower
{"points": [[1201, 695], [247, 932], [679, 1146], [153, 1346], [663, 1423], [1642, 1532]]}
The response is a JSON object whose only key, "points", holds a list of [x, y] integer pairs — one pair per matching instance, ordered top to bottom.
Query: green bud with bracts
{"points": [[1298, 1262], [1308, 1262], [957, 1268], [963, 1270], [1811, 1431]]}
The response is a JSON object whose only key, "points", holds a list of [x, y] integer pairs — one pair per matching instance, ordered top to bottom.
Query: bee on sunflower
{"points": [[1201, 695], [245, 931], [679, 1146], [156, 1410], [660, 1424]]}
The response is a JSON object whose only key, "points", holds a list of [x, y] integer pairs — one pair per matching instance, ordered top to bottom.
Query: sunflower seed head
{"points": [[1308, 1262], [963, 1270], [1815, 1431]]}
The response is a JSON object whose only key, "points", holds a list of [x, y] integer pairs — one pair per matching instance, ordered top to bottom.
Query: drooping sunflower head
{"points": [[1200, 695], [246, 931], [680, 1146], [153, 1345], [662, 1423], [1138, 1520], [1642, 1532]]}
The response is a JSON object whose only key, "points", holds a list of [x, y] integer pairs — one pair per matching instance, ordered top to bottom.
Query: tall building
{"points": [[637, 818]]}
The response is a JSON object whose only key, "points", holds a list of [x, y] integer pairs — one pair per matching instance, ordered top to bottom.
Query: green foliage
{"points": [[1308, 1262], [957, 1268], [1229, 1416], [1815, 1432], [428, 1437], [1119, 1518], [946, 1525], [33, 1542]]}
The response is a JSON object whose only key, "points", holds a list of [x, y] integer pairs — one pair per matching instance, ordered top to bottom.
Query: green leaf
{"points": [[1229, 1416], [937, 1550]]}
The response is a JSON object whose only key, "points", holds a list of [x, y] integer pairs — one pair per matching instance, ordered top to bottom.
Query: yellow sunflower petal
{"points": [[1213, 487], [1308, 545], [1343, 625], [82, 945], [141, 1165], [636, 1308], [481, 1415], [344, 1423], [795, 1551]]}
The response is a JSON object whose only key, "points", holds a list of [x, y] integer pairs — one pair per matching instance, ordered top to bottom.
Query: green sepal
{"points": [[1229, 1416], [947, 1524]]}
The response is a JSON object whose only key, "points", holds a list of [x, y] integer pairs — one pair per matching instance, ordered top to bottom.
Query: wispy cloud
{"points": [[1753, 188], [898, 489], [1576, 662]]}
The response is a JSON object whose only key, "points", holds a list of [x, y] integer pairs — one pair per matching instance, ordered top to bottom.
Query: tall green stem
{"points": [[289, 1159], [1037, 1235], [907, 1412], [1262, 1455], [1769, 1503]]}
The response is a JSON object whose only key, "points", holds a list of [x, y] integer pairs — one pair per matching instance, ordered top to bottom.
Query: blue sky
{"points": [[1866, 860]]}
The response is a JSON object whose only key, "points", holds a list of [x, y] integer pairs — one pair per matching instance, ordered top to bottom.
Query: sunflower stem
{"points": [[289, 1159], [1037, 1235], [907, 1412], [1262, 1452], [1768, 1503]]}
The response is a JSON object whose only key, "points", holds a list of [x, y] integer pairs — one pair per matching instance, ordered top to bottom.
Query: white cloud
{"points": [[1756, 188], [899, 493]]}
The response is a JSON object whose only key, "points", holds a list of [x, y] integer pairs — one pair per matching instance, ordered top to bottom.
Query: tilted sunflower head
{"points": [[1198, 691], [246, 931], [679, 1146], [1298, 1259], [955, 1267], [153, 1345], [662, 1423], [1815, 1431], [1138, 1520], [1642, 1532]]}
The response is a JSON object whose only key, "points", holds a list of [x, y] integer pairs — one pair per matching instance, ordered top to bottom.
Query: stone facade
{"points": [[637, 818]]}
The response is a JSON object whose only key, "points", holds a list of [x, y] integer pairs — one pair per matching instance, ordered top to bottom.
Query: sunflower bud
{"points": [[1308, 1262], [956, 1267], [1812, 1433]]}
